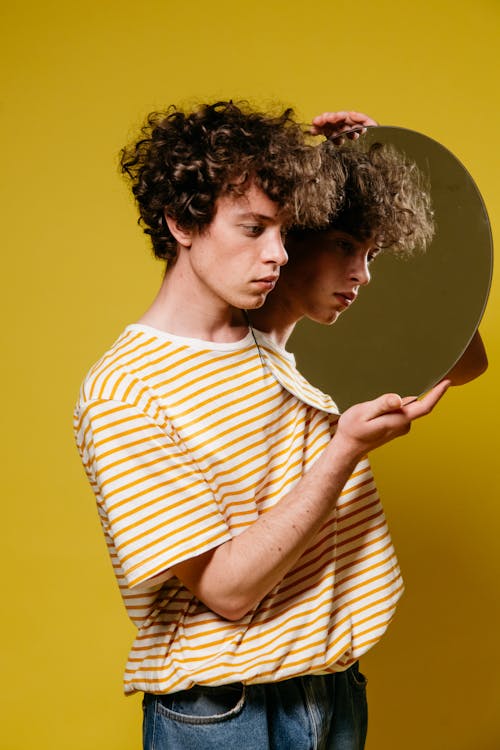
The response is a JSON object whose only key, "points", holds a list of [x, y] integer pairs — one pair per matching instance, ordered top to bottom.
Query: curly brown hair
{"points": [[184, 161], [385, 196]]}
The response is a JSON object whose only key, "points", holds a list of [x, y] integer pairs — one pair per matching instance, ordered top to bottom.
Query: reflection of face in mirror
{"points": [[385, 207], [324, 277], [417, 319]]}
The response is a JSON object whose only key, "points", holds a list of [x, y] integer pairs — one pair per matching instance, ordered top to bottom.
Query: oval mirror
{"points": [[414, 320]]}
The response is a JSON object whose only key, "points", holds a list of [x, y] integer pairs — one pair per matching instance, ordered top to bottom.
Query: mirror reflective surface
{"points": [[414, 320]]}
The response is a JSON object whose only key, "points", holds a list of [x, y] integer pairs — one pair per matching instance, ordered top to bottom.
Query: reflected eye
{"points": [[346, 246], [373, 254]]}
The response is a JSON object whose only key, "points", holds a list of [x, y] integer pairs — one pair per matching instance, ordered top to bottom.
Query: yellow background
{"points": [[78, 77]]}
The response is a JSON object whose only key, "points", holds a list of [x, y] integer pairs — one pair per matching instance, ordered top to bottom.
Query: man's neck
{"points": [[183, 310]]}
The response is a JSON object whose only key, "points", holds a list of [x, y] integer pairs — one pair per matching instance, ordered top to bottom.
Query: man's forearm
{"points": [[233, 578]]}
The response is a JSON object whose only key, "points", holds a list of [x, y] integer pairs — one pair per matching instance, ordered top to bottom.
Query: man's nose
{"points": [[274, 251]]}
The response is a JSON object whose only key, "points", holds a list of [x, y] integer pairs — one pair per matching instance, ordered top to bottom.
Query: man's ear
{"points": [[184, 237]]}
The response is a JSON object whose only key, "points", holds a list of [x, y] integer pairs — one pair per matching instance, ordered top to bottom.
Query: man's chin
{"points": [[253, 303], [328, 319]]}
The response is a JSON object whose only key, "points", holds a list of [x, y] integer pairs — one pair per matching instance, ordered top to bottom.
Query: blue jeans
{"points": [[324, 712]]}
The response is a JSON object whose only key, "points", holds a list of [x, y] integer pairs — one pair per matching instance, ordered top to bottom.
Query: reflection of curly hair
{"points": [[183, 162], [385, 196]]}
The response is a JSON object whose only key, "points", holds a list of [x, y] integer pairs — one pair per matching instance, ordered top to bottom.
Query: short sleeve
{"points": [[158, 507]]}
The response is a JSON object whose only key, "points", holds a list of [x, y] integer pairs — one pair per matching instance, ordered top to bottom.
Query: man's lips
{"points": [[267, 281], [347, 298]]}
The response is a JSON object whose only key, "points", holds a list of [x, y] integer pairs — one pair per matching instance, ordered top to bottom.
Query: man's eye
{"points": [[254, 230], [373, 255]]}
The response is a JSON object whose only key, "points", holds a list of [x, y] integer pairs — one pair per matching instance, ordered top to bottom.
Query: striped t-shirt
{"points": [[185, 444]]}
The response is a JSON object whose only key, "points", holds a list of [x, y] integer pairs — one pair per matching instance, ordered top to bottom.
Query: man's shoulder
{"points": [[146, 365], [121, 374]]}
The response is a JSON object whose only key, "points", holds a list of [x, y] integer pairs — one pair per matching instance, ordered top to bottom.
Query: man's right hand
{"points": [[368, 425]]}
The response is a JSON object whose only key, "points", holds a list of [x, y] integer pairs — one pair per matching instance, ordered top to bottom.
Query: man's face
{"points": [[236, 260], [325, 273]]}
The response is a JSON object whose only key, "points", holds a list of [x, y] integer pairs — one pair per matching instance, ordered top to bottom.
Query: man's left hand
{"points": [[333, 124]]}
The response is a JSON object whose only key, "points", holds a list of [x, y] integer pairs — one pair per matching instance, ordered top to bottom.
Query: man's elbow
{"points": [[472, 363], [482, 366], [232, 608]]}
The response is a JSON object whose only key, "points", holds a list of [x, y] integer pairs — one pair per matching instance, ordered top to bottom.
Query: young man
{"points": [[239, 511]]}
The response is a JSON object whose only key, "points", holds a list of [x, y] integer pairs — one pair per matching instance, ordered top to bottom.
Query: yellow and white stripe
{"points": [[185, 444]]}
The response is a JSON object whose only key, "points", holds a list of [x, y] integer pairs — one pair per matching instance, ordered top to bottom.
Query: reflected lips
{"points": [[346, 298]]}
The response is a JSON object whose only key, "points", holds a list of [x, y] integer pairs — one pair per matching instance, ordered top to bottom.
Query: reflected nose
{"points": [[360, 271]]}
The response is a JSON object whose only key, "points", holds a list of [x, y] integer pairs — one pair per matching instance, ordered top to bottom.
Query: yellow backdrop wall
{"points": [[78, 77]]}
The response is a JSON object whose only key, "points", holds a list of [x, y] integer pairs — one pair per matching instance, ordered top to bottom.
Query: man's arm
{"points": [[235, 576]]}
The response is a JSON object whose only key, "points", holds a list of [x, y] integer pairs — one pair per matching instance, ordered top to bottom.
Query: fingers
{"points": [[346, 117], [330, 118], [362, 119], [329, 123], [409, 400], [386, 404], [425, 405], [409, 407], [369, 425]]}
